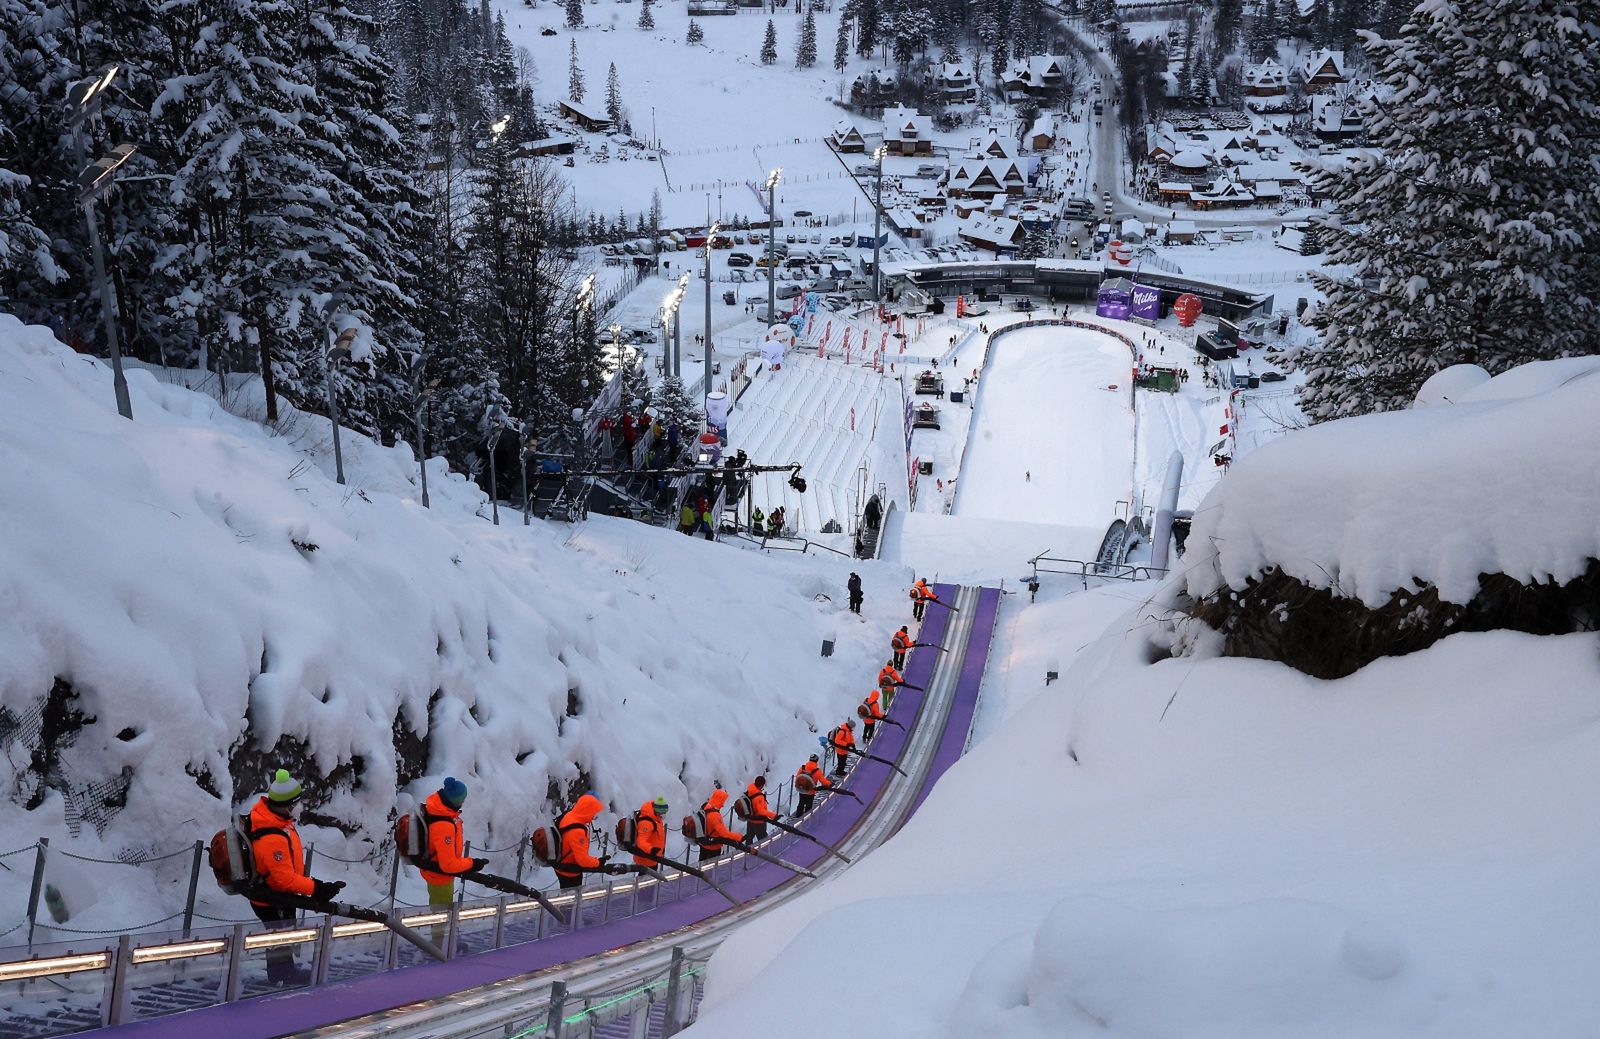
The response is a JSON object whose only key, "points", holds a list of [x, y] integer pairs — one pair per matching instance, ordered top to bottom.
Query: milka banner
{"points": [[1146, 303]]}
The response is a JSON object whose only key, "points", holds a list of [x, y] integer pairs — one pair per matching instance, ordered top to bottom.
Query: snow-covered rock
{"points": [[1504, 481]]}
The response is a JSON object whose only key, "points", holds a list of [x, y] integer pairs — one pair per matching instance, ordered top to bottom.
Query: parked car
{"points": [[928, 169], [789, 238], [816, 239], [834, 252], [741, 260], [789, 291]]}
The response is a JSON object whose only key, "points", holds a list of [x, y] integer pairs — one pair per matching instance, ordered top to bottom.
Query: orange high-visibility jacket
{"points": [[902, 642], [889, 676], [874, 709], [842, 739], [813, 771], [760, 811], [574, 830], [716, 830], [649, 834], [444, 841], [278, 856]]}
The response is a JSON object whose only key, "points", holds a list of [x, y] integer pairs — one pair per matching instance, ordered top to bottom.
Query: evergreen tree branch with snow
{"points": [[1468, 234]]}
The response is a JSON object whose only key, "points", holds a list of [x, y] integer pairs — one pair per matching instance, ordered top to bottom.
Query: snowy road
{"points": [[1050, 444]]}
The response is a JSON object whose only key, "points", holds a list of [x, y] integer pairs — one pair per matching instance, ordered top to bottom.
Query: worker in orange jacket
{"points": [[921, 595], [900, 645], [871, 713], [842, 739], [808, 779], [761, 813], [441, 816], [573, 828], [716, 831], [650, 832], [280, 863]]}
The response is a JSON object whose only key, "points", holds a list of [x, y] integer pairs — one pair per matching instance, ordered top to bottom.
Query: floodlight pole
{"points": [[85, 97], [772, 244]]}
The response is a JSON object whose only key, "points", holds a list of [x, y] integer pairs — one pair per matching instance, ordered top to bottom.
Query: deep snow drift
{"points": [[1503, 479], [191, 569]]}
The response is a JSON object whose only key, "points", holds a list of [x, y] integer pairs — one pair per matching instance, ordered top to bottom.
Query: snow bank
{"points": [[1506, 480], [215, 600], [1220, 847]]}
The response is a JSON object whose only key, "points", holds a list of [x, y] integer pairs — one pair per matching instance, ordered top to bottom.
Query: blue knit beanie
{"points": [[454, 792]]}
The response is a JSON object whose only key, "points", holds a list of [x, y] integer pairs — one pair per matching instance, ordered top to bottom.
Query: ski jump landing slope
{"points": [[831, 418], [1051, 442], [967, 635]]}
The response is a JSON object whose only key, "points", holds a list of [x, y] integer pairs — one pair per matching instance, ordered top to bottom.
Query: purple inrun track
{"points": [[266, 1017]]}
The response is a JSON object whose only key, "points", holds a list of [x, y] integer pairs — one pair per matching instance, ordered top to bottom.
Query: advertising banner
{"points": [[1115, 299], [1146, 302]]}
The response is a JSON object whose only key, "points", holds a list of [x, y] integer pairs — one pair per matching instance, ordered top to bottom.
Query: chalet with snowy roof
{"points": [[1321, 70], [1039, 76], [1268, 79], [951, 81], [874, 87], [586, 118], [1337, 118], [907, 131], [1041, 136], [847, 138], [1159, 143], [557, 145], [993, 146], [1280, 170], [976, 176], [1172, 192], [1223, 193], [906, 222], [1181, 232], [997, 234]]}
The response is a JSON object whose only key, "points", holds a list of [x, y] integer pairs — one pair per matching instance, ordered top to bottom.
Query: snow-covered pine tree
{"points": [[574, 14], [864, 14], [647, 20], [1264, 32], [695, 33], [769, 44], [841, 46], [806, 53], [574, 73], [613, 96], [377, 196], [262, 230], [1469, 233], [1035, 242], [26, 255], [673, 404]]}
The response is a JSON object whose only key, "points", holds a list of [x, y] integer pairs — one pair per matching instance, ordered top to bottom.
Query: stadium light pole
{"points": [[84, 97], [877, 231], [711, 234], [772, 240], [338, 350], [422, 446]]}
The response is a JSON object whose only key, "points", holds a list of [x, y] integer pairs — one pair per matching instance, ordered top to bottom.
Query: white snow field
{"points": [[833, 419], [1050, 442], [190, 566], [1194, 845]]}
